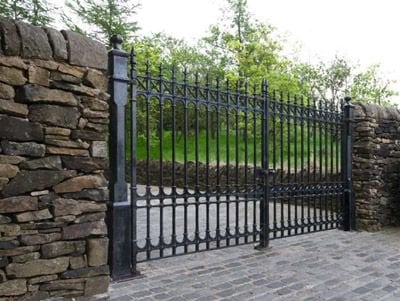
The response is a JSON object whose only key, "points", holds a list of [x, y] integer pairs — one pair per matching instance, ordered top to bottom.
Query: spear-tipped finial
{"points": [[116, 41]]}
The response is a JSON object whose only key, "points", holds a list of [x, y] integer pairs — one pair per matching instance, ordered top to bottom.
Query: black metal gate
{"points": [[212, 164]]}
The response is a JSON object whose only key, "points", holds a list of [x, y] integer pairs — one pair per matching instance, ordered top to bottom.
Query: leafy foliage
{"points": [[36, 12], [103, 18], [335, 79], [370, 86]]}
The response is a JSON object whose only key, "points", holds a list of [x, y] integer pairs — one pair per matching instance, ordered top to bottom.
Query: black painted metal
{"points": [[221, 164], [349, 206], [119, 217]]}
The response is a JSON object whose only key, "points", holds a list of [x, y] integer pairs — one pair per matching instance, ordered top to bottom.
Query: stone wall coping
{"points": [[33, 42], [378, 112]]}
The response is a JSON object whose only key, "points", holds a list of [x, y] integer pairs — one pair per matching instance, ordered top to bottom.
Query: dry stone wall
{"points": [[53, 153], [376, 166], [208, 174]]}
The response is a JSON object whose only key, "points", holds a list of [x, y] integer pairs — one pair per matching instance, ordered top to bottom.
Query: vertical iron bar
{"points": [[295, 109], [302, 114], [274, 115], [173, 128], [161, 145], [185, 161], [315, 162], [309, 164], [321, 164], [237, 165], [227, 167], [289, 172], [331, 174], [326, 175], [246, 184], [255, 184], [148, 187], [197, 188], [218, 188], [208, 190], [281, 193], [264, 206], [348, 214], [119, 220]]}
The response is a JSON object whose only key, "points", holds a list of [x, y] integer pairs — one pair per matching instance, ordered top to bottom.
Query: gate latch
{"points": [[266, 172]]}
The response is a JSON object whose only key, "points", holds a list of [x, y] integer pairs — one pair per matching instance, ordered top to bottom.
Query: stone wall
{"points": [[53, 130], [376, 166], [210, 174]]}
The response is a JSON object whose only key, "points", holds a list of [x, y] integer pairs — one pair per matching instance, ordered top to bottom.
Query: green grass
{"points": [[288, 155]]}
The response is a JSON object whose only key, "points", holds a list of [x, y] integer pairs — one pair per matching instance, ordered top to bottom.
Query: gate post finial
{"points": [[116, 41]]}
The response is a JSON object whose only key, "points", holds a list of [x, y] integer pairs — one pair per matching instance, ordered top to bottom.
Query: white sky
{"points": [[365, 31]]}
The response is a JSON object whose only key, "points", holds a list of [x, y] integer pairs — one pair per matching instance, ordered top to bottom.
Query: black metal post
{"points": [[347, 148], [264, 203], [119, 207]]}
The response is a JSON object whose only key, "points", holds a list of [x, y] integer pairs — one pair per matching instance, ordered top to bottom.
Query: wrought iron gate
{"points": [[212, 164]]}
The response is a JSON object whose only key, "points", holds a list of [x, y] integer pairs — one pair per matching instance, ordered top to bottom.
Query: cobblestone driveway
{"points": [[331, 265]]}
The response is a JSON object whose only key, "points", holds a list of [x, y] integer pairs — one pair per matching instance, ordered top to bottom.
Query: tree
{"points": [[14, 9], [36, 12], [39, 13], [103, 18], [248, 49], [338, 78], [326, 81], [370, 86]]}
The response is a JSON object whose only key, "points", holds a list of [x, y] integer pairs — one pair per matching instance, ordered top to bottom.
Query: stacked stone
{"points": [[53, 153], [376, 166], [210, 173]]}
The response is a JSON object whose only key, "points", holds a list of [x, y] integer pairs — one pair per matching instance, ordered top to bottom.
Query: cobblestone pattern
{"points": [[53, 153], [376, 166], [331, 266]]}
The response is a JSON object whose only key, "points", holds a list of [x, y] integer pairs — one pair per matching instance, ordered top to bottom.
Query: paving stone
{"points": [[310, 273]]}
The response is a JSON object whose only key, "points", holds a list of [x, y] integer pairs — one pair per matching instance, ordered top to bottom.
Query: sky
{"points": [[364, 31]]}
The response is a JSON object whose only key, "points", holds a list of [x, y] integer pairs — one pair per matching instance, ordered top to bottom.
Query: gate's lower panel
{"points": [[303, 208], [178, 223]]}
